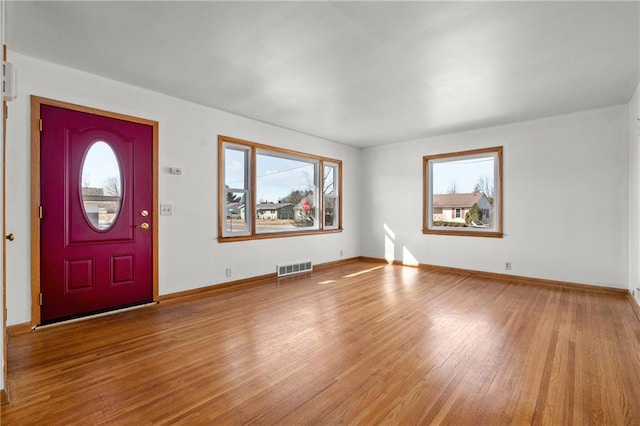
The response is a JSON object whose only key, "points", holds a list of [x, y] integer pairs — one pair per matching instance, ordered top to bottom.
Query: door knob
{"points": [[144, 213], [144, 225], [10, 237]]}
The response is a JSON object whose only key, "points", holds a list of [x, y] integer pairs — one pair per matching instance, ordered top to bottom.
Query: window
{"points": [[270, 192], [235, 193], [463, 193], [330, 195]]}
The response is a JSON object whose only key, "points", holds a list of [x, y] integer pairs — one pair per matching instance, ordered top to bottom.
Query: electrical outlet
{"points": [[166, 209], [341, 252], [507, 266], [227, 272]]}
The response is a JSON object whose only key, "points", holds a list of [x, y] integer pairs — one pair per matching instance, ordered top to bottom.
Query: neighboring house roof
{"points": [[88, 190], [97, 194], [457, 200], [273, 206]]}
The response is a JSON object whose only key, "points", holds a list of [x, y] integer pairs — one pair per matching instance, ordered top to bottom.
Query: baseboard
{"points": [[336, 263], [509, 277], [244, 283], [220, 288], [634, 304], [24, 327], [4, 397]]}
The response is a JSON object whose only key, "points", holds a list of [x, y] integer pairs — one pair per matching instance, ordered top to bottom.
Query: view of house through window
{"points": [[101, 186], [236, 190], [286, 191], [462, 193], [283, 197]]}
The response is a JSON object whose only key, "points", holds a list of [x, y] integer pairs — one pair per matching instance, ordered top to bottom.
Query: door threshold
{"points": [[101, 314]]}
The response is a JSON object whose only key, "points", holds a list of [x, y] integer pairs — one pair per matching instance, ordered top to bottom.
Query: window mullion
{"points": [[252, 189], [321, 212]]}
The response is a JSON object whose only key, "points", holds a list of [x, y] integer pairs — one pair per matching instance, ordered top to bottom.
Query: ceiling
{"points": [[359, 73]]}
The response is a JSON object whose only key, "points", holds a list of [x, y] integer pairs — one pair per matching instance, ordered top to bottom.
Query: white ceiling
{"points": [[360, 73]]}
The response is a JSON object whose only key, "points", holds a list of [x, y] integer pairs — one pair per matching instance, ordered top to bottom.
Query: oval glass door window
{"points": [[101, 186]]}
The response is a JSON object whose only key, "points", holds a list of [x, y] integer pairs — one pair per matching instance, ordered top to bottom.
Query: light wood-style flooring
{"points": [[357, 343]]}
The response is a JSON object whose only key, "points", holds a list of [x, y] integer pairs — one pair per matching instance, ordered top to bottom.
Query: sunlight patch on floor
{"points": [[364, 271]]}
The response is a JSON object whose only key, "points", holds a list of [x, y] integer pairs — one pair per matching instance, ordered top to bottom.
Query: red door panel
{"points": [[86, 269]]}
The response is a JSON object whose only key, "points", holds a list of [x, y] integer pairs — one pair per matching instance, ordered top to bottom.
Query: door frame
{"points": [[36, 103], [4, 396]]}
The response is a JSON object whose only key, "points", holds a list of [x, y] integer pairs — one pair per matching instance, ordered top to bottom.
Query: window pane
{"points": [[235, 167], [329, 180], [101, 186], [286, 193], [330, 210], [235, 219]]}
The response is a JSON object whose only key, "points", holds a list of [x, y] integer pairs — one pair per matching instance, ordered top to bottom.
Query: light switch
{"points": [[166, 209]]}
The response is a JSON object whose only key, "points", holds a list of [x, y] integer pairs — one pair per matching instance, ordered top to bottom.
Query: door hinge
{"points": [[41, 124], [40, 212], [40, 299]]}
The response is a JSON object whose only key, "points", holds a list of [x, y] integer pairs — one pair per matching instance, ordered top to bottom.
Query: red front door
{"points": [[96, 196]]}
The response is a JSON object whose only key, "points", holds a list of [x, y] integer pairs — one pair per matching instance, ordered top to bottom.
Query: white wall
{"points": [[561, 162], [574, 164], [634, 194], [189, 253]]}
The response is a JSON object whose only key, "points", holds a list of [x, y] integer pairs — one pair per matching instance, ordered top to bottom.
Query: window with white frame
{"points": [[236, 192], [270, 192], [330, 198]]}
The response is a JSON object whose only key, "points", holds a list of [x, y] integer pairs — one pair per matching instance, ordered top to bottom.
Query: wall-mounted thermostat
{"points": [[9, 82], [175, 170]]}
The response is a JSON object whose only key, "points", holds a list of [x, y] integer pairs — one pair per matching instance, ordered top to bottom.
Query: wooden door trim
{"points": [[36, 103], [5, 341]]}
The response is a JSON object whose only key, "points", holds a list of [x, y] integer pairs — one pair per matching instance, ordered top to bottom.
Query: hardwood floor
{"points": [[359, 343]]}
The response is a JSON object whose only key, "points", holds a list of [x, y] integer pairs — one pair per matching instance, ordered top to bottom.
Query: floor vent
{"points": [[294, 268]]}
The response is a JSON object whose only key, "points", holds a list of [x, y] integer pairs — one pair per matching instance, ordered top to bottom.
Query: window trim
{"points": [[253, 148], [427, 194]]}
